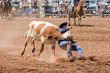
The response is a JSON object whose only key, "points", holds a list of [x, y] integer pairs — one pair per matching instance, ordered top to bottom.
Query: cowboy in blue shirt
{"points": [[74, 4], [68, 43]]}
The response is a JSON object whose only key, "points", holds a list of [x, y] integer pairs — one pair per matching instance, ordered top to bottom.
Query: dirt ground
{"points": [[93, 36]]}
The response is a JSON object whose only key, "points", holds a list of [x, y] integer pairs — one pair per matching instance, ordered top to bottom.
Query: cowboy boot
{"points": [[71, 59]]}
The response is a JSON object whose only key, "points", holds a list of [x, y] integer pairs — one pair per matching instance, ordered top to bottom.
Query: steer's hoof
{"points": [[33, 50], [22, 53]]}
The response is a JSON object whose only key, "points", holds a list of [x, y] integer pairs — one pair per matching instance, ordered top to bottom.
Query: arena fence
{"points": [[53, 10]]}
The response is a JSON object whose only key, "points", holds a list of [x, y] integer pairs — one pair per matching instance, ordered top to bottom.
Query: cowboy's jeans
{"points": [[73, 47]]}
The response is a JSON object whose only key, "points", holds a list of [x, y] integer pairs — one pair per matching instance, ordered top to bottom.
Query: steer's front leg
{"points": [[27, 40], [33, 45], [53, 48], [41, 50]]}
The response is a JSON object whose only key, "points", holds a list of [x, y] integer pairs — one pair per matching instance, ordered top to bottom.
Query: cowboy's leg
{"points": [[72, 5], [63, 44], [66, 45], [78, 49], [69, 51]]}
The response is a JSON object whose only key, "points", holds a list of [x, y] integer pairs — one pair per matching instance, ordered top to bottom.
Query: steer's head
{"points": [[52, 32], [62, 32]]}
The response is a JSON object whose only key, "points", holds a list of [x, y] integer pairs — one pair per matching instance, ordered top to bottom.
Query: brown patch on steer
{"points": [[39, 27], [51, 31]]}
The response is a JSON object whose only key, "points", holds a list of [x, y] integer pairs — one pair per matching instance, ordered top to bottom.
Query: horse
{"points": [[5, 8], [78, 12], [47, 32]]}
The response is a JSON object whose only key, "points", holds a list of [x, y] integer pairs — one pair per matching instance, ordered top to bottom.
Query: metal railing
{"points": [[55, 11]]}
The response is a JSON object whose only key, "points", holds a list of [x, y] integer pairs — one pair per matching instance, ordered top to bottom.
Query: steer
{"points": [[47, 32]]}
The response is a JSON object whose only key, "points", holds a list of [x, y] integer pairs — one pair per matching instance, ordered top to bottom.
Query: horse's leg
{"points": [[68, 16], [74, 21], [79, 21], [27, 40], [33, 45], [41, 50]]}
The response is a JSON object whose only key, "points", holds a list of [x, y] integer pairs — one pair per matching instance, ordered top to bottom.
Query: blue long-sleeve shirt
{"points": [[73, 2], [64, 29]]}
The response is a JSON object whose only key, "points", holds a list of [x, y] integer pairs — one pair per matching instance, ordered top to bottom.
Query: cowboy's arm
{"points": [[62, 30], [71, 39]]}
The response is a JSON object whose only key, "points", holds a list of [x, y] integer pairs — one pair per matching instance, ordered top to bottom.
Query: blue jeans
{"points": [[74, 2], [63, 44], [75, 48]]}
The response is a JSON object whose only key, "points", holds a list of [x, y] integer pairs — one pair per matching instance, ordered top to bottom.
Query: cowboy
{"points": [[74, 4], [69, 43]]}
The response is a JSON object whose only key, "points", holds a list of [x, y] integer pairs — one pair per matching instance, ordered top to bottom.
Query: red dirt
{"points": [[93, 36]]}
